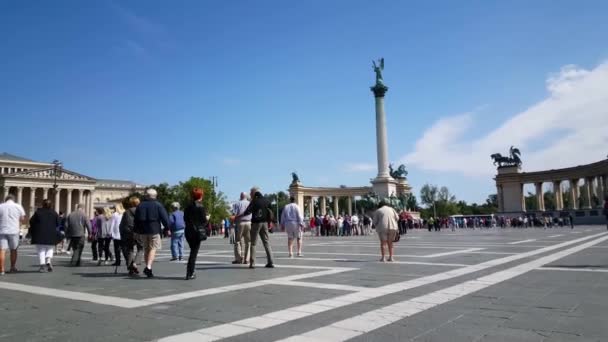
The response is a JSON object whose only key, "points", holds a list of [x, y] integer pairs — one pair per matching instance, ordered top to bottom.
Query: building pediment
{"points": [[49, 174]]}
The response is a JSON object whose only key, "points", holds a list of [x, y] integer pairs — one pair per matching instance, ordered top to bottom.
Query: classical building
{"points": [[584, 181], [31, 182]]}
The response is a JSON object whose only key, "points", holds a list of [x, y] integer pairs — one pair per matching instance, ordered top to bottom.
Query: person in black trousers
{"points": [[195, 217]]}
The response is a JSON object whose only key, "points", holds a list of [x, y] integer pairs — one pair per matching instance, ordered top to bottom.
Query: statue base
{"points": [[384, 187]]}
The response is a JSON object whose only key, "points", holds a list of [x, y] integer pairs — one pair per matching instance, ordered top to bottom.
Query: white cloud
{"points": [[571, 122], [231, 161], [360, 167]]}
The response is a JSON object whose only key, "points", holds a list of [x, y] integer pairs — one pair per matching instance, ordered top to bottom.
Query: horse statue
{"points": [[514, 158], [401, 172]]}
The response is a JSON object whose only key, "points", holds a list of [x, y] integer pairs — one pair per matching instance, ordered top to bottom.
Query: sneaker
{"points": [[300, 255], [290, 256], [180, 258], [173, 259], [382, 259], [391, 259], [235, 262], [269, 265], [252, 266], [49, 267], [42, 269], [1, 273], [148, 273], [191, 276]]}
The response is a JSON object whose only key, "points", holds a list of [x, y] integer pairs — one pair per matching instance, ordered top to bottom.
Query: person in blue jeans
{"points": [[177, 226]]}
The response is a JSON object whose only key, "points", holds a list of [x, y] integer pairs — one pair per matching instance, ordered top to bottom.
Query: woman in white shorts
{"points": [[292, 222], [386, 222]]}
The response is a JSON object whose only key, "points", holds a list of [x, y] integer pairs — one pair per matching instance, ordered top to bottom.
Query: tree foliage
{"points": [[215, 202]]}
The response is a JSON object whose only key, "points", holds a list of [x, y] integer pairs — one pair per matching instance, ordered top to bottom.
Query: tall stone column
{"points": [[605, 184], [384, 185], [600, 188], [557, 191], [45, 193], [57, 193], [574, 193], [20, 195], [79, 196], [540, 201], [323, 205], [350, 205], [336, 206], [68, 207]]}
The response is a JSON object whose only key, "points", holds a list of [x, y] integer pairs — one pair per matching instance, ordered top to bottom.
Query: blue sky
{"points": [[251, 90]]}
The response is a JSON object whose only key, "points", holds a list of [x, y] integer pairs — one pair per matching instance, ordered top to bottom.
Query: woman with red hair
{"points": [[195, 217]]}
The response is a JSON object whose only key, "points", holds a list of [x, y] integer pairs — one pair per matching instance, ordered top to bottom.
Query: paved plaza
{"points": [[469, 285]]}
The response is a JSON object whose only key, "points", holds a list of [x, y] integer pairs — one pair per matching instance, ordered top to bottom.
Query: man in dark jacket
{"points": [[261, 216], [150, 217], [75, 226], [129, 238]]}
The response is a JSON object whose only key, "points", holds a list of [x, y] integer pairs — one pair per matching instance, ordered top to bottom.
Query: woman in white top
{"points": [[386, 221], [115, 231]]}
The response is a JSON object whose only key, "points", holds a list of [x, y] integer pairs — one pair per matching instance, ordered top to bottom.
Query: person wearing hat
{"points": [[177, 226]]}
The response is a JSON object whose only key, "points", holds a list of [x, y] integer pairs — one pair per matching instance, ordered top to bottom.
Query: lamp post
{"points": [[57, 169]]}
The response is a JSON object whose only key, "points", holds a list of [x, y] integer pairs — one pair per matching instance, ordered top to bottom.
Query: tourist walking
{"points": [[150, 216], [261, 216], [11, 217], [195, 218], [354, 220], [292, 222], [76, 224], [177, 226], [387, 226], [43, 231], [115, 232], [93, 235], [104, 235], [129, 238], [242, 242]]}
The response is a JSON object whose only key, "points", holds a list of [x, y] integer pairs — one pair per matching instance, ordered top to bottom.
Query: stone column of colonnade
{"points": [[557, 191], [574, 193], [20, 195], [540, 198], [323, 205], [350, 205], [336, 206], [311, 207]]}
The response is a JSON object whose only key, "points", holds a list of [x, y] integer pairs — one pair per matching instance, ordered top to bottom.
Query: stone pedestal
{"points": [[384, 187]]}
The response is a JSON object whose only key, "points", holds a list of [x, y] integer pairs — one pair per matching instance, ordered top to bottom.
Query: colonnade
{"points": [[593, 187], [63, 199], [322, 200]]}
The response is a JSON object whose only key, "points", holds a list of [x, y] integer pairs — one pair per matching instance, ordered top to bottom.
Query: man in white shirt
{"points": [[11, 217], [354, 221], [292, 222], [242, 239]]}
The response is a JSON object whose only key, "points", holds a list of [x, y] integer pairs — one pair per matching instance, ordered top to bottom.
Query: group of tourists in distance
{"points": [[138, 230]]}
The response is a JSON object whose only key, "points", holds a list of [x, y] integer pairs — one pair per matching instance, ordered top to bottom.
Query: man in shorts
{"points": [[11, 217], [150, 217], [292, 221]]}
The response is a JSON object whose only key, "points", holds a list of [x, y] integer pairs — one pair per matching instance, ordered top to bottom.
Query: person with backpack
{"points": [[261, 216], [129, 238]]}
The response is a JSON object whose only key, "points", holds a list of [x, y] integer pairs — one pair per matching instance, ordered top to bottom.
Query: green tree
{"points": [[429, 196]]}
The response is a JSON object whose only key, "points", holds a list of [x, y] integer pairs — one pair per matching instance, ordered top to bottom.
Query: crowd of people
{"points": [[138, 229]]}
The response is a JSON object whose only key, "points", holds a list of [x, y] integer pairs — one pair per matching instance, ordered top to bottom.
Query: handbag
{"points": [[201, 232], [397, 237]]}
